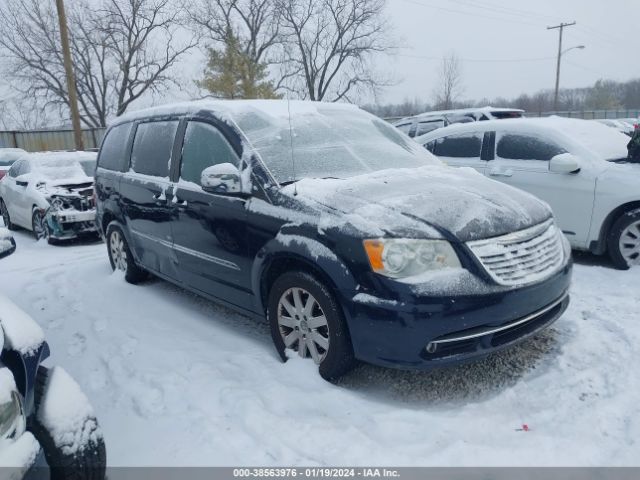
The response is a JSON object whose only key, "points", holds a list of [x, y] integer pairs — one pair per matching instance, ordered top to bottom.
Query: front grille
{"points": [[522, 257]]}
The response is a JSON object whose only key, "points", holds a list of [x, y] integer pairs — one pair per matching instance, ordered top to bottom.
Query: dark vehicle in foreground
{"points": [[51, 194], [354, 241], [47, 426]]}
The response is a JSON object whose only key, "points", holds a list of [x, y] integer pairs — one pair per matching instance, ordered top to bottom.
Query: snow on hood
{"points": [[606, 142], [460, 201], [21, 332]]}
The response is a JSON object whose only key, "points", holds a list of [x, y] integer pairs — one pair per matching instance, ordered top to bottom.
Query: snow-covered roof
{"points": [[274, 108], [460, 111], [605, 142], [11, 154]]}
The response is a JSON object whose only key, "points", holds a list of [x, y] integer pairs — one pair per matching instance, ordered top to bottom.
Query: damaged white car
{"points": [[51, 194], [47, 425]]}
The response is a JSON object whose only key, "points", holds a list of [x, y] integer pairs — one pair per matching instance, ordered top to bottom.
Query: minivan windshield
{"points": [[328, 141]]}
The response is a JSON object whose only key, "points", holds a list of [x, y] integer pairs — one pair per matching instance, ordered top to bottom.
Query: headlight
{"points": [[403, 257], [12, 415]]}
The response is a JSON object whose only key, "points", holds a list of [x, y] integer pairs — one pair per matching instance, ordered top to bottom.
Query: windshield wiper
{"points": [[289, 182]]}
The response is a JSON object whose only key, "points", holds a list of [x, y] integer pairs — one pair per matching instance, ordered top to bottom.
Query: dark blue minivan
{"points": [[355, 242]]}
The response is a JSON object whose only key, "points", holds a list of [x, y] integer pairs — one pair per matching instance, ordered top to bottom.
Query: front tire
{"points": [[6, 218], [39, 225], [624, 240], [120, 255], [304, 316], [87, 464]]}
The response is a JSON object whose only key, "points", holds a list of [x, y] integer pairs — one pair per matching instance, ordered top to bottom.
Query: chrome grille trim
{"points": [[522, 257]]}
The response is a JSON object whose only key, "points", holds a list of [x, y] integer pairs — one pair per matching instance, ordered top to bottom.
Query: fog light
{"points": [[431, 347]]}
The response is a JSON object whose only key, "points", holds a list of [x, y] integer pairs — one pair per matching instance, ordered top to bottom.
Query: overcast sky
{"points": [[482, 31]]}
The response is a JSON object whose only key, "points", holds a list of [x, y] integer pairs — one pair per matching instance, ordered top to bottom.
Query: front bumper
{"points": [[65, 225], [425, 330]]}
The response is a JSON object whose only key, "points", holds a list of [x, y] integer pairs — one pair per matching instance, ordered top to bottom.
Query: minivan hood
{"points": [[431, 201]]}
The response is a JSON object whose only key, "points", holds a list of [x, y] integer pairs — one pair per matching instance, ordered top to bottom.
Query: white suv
{"points": [[579, 167]]}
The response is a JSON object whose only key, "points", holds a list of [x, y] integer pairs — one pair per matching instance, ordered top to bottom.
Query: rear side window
{"points": [[426, 127], [404, 128], [467, 145], [152, 146], [203, 147], [526, 147], [113, 153]]}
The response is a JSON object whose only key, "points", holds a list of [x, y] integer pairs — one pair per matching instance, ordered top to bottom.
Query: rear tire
{"points": [[6, 218], [624, 240], [120, 255], [334, 361], [88, 464]]}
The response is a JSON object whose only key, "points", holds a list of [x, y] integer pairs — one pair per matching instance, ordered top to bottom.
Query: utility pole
{"points": [[561, 28], [71, 83]]}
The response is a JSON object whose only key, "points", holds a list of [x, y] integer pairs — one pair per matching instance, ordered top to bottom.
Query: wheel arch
{"points": [[600, 246]]}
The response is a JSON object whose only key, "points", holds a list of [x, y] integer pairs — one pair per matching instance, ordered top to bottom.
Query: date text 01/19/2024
{"points": [[315, 472]]}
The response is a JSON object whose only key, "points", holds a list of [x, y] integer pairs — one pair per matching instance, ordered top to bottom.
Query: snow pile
{"points": [[60, 166], [20, 331], [176, 380], [67, 414], [17, 457]]}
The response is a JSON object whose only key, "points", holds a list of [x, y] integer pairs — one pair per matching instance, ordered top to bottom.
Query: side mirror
{"points": [[564, 163], [223, 178], [22, 181], [7, 245]]}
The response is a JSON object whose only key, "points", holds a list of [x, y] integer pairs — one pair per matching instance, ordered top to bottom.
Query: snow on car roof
{"points": [[274, 108], [605, 142], [10, 155]]}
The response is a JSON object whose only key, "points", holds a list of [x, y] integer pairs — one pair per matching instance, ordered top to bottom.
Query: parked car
{"points": [[429, 121], [619, 125], [7, 157], [579, 167], [51, 194], [355, 242], [46, 423]]}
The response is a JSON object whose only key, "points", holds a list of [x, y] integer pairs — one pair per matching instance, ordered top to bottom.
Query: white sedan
{"points": [[579, 167], [51, 194]]}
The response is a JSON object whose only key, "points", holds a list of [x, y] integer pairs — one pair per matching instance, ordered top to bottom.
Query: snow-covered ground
{"points": [[177, 380]]}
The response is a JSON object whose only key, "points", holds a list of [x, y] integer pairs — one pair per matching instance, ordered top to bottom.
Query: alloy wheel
{"points": [[5, 214], [40, 227], [629, 244], [118, 250], [303, 325]]}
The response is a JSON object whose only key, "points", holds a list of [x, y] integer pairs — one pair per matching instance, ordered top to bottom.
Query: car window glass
{"points": [[426, 127], [404, 128], [467, 145], [152, 146], [203, 147], [526, 147], [113, 153], [13, 171]]}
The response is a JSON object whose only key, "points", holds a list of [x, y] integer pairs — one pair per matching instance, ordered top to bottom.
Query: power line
{"points": [[507, 10], [473, 14], [480, 60]]}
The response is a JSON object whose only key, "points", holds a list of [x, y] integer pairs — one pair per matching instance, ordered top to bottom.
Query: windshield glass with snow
{"points": [[328, 142], [59, 169]]}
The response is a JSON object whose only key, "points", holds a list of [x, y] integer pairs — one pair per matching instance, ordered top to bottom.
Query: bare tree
{"points": [[331, 45], [121, 50], [449, 87]]}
